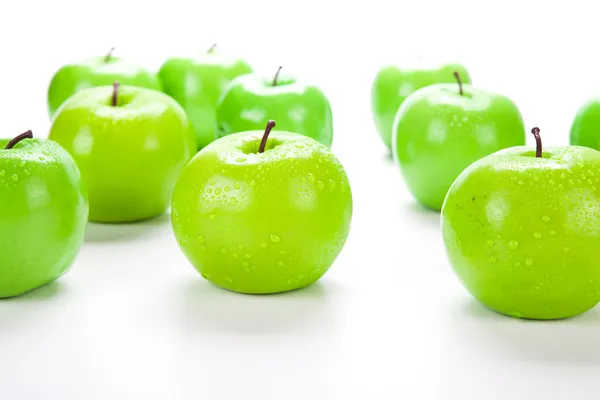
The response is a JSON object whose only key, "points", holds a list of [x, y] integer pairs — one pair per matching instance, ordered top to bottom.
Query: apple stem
{"points": [[211, 48], [109, 55], [276, 76], [460, 88], [115, 93], [25, 135], [263, 142], [538, 142]]}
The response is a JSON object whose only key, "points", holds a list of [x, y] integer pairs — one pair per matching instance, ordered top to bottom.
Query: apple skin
{"points": [[93, 72], [197, 83], [394, 83], [251, 100], [585, 130], [438, 133], [130, 155], [43, 215], [262, 222], [522, 232]]}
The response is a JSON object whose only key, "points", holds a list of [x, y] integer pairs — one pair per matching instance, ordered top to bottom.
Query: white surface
{"points": [[133, 320]]}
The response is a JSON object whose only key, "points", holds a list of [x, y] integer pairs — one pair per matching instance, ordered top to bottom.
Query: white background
{"points": [[133, 320]]}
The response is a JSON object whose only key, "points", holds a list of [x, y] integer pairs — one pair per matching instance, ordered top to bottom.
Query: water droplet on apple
{"points": [[240, 159], [2, 172], [15, 177], [311, 178], [521, 182], [551, 182], [252, 183], [331, 184], [320, 185], [236, 186], [227, 188], [218, 191], [233, 201], [212, 216], [545, 218], [537, 235], [275, 238], [202, 240], [489, 243], [263, 245], [513, 245], [565, 249], [223, 250], [248, 255], [493, 258], [529, 262], [280, 263], [517, 263], [245, 264], [205, 275], [229, 279], [515, 314]]}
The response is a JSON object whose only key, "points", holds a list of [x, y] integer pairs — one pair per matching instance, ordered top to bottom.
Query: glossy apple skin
{"points": [[93, 72], [196, 84], [393, 84], [250, 101], [585, 130], [438, 133], [130, 155], [43, 215], [262, 223], [522, 232]]}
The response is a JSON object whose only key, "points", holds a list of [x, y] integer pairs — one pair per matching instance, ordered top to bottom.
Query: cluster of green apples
{"points": [[254, 210], [521, 226]]}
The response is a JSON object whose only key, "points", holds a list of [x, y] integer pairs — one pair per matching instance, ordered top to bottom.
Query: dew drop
{"points": [[2, 172], [15, 177], [521, 182], [320, 185], [236, 186], [218, 191], [233, 201], [537, 235], [275, 238], [202, 240], [489, 243], [263, 245], [513, 245], [223, 250], [247, 255], [493, 258], [529, 262], [280, 263], [245, 264], [229, 279]]}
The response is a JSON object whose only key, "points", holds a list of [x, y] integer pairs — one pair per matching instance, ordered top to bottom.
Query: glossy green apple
{"points": [[96, 71], [197, 83], [394, 83], [251, 100], [585, 130], [438, 132], [130, 146], [43, 215], [262, 222], [521, 231]]}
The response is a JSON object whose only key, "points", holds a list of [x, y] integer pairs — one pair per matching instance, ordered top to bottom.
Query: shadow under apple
{"points": [[101, 232], [205, 307]]}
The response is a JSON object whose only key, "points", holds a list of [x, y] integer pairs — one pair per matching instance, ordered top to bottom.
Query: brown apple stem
{"points": [[211, 48], [109, 55], [276, 76], [460, 88], [115, 93], [25, 135], [263, 142], [538, 142]]}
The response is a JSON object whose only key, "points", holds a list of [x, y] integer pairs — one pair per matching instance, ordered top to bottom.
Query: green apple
{"points": [[96, 71], [197, 83], [394, 83], [251, 100], [441, 129], [585, 130], [130, 144], [259, 214], [43, 215], [521, 230]]}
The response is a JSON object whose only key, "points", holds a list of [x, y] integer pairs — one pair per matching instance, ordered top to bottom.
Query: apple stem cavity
{"points": [[211, 48], [109, 55], [276, 76], [460, 87], [115, 93], [25, 135], [263, 142], [538, 142]]}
